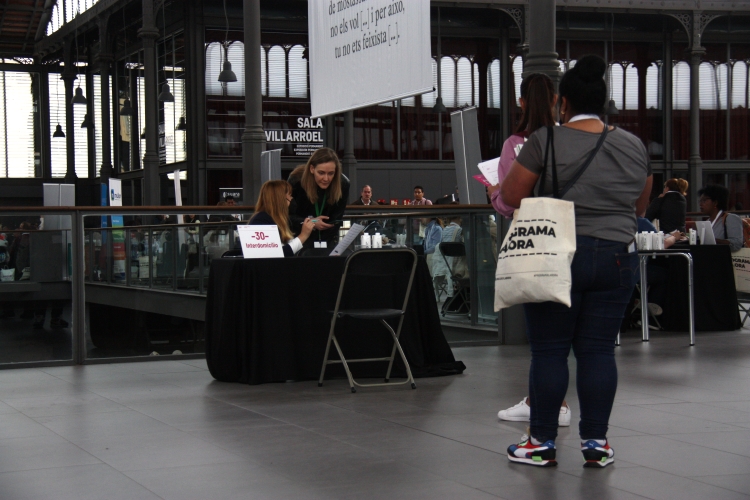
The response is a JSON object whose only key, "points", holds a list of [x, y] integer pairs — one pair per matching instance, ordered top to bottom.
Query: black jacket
{"points": [[359, 202], [301, 207], [670, 210]]}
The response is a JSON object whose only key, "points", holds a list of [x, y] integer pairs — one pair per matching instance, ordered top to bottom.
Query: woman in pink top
{"points": [[538, 101]]}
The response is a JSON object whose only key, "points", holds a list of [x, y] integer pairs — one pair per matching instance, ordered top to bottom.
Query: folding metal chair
{"points": [[360, 269], [441, 286], [462, 286], [743, 301]]}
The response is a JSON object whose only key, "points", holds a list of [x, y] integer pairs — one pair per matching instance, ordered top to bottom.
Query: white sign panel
{"points": [[364, 52], [115, 192], [260, 242], [741, 262]]}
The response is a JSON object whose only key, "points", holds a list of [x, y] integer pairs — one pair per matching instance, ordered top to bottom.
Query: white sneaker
{"points": [[522, 413]]}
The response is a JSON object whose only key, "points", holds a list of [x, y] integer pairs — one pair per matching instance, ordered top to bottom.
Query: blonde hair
{"points": [[322, 155], [272, 200]]}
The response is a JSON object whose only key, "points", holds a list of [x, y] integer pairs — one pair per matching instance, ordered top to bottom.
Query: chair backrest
{"points": [[453, 249], [235, 252], [376, 279]]}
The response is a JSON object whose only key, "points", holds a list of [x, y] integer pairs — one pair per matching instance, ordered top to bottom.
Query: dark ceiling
{"points": [[19, 20]]}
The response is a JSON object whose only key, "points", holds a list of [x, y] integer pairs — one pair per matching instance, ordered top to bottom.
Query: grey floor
{"points": [[680, 428]]}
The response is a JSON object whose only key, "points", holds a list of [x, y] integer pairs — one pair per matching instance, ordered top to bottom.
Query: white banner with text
{"points": [[365, 52]]}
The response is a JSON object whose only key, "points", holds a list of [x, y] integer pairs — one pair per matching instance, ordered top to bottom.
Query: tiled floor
{"points": [[680, 428]]}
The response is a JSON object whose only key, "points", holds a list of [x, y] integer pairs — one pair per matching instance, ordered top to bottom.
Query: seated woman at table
{"points": [[322, 193], [670, 206], [272, 208], [727, 227]]}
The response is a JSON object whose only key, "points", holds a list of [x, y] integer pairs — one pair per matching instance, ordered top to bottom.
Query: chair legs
{"points": [[352, 383]]}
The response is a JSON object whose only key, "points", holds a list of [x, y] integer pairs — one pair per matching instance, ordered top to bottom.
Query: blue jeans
{"points": [[603, 277]]}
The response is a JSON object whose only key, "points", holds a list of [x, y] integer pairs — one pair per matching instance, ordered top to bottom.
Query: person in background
{"points": [[538, 101], [321, 192], [365, 197], [419, 198], [670, 206], [272, 208], [727, 227], [433, 235], [603, 270]]}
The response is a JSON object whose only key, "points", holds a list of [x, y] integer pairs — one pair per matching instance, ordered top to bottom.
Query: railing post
{"points": [[78, 309]]}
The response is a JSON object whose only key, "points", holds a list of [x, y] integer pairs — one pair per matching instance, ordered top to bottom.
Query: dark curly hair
{"points": [[584, 86], [716, 193]]}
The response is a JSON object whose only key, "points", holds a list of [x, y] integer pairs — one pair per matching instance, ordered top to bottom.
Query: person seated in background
{"points": [[365, 197], [419, 198], [670, 206], [272, 208], [222, 217], [727, 227], [453, 232], [433, 235]]}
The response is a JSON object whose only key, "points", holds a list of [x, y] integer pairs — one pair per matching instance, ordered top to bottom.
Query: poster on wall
{"points": [[365, 52], [294, 135], [118, 237]]}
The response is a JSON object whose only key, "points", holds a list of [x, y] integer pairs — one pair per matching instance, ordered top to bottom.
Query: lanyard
{"points": [[583, 117], [319, 211], [717, 217]]}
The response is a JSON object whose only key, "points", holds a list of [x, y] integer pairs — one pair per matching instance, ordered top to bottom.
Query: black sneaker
{"points": [[596, 455]]}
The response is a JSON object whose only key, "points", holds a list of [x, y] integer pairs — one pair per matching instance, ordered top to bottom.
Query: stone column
{"points": [[149, 33], [542, 56], [105, 59], [69, 76], [253, 138], [349, 160]]}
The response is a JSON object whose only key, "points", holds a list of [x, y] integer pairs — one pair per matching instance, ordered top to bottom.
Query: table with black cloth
{"points": [[715, 297], [267, 320]]}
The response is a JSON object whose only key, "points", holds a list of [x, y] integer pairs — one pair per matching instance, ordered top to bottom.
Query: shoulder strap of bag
{"points": [[583, 168], [543, 178]]}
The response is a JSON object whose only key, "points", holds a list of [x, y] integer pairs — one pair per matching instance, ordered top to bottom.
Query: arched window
{"points": [[55, 20], [236, 55], [214, 58], [277, 71], [297, 72], [517, 77], [448, 81], [493, 84], [617, 84], [722, 85], [739, 85], [464, 86], [653, 86], [681, 86], [631, 87], [709, 95], [428, 99]]}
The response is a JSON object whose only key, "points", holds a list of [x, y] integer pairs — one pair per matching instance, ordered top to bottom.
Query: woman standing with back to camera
{"points": [[603, 271]]}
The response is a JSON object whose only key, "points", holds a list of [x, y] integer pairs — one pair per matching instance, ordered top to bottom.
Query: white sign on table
{"points": [[367, 52], [259, 242], [741, 263]]}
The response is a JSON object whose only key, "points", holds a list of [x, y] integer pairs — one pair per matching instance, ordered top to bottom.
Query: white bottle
{"points": [[365, 241], [377, 241]]}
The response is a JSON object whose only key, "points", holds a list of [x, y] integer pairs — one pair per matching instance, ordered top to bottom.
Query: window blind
{"points": [[214, 57], [277, 71], [263, 72], [297, 72], [448, 81], [475, 83], [493, 84], [464, 85], [722, 85], [739, 85], [681, 86], [631, 87], [653, 87], [141, 108], [16, 125], [80, 139], [58, 149]]}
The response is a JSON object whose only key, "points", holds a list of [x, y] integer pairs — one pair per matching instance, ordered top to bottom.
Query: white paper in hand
{"points": [[489, 169], [260, 242]]}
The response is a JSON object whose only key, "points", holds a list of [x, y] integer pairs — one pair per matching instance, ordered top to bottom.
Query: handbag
{"points": [[533, 263]]}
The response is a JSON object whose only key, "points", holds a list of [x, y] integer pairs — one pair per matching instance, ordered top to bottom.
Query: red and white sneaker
{"points": [[525, 452], [597, 455]]}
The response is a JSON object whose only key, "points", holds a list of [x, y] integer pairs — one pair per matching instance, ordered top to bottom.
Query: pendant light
{"points": [[226, 75], [166, 94], [78, 98], [611, 106], [439, 107], [87, 123], [182, 125], [59, 134]]}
